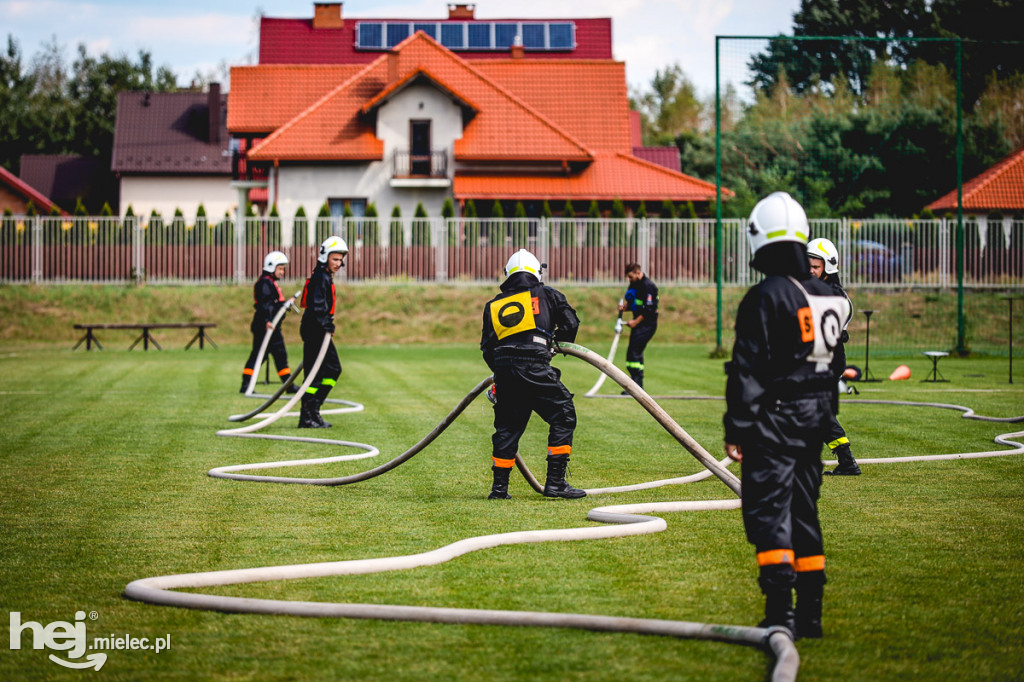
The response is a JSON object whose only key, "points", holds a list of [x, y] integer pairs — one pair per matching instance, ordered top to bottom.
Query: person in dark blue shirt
{"points": [[641, 299]]}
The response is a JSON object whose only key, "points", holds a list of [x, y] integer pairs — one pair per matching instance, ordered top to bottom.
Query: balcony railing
{"points": [[405, 164]]}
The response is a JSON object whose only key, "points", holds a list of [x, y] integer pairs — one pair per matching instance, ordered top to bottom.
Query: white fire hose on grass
{"points": [[623, 520], [626, 520]]}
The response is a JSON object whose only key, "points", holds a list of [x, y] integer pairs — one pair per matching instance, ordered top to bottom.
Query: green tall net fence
{"points": [[887, 143]]}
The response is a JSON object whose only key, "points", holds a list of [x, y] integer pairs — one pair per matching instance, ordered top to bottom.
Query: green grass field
{"points": [[105, 454]]}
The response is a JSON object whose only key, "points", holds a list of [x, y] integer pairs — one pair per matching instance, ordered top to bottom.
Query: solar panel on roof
{"points": [[430, 29], [397, 33], [504, 34], [369, 35], [469, 35], [453, 36], [480, 36], [534, 36], [560, 36]]}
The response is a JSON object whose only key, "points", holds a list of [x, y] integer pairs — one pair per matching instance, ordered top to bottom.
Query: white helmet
{"points": [[777, 218], [332, 244], [825, 250], [273, 259], [523, 261]]}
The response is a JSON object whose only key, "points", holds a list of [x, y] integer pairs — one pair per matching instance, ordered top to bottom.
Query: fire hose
{"points": [[623, 520]]}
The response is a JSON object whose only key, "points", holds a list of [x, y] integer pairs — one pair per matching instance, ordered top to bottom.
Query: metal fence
{"points": [[874, 253]]}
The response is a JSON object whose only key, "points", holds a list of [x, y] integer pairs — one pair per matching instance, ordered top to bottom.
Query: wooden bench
{"points": [[146, 337]]}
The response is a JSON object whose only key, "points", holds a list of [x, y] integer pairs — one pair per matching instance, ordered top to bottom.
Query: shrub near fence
{"points": [[875, 253]]}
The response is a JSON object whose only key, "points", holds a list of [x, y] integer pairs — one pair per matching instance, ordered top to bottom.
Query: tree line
{"points": [[51, 106], [863, 126]]}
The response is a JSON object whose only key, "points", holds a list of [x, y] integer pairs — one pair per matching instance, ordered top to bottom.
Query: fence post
{"points": [[243, 196], [439, 239], [135, 240], [643, 243], [543, 245], [37, 249], [944, 253]]}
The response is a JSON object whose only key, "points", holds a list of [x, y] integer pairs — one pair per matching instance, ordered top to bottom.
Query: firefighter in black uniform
{"points": [[824, 258], [319, 299], [267, 300], [642, 300], [520, 327], [779, 397]]}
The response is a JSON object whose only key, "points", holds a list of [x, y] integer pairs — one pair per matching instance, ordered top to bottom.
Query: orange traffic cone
{"points": [[901, 372]]}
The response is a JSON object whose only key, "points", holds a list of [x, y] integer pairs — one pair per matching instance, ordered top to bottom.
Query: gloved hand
{"points": [[618, 326], [329, 328], [492, 395]]}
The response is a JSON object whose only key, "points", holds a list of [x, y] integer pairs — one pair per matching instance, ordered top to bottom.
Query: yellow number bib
{"points": [[512, 315]]}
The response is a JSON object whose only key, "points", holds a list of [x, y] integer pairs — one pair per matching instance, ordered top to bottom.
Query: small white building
{"points": [[171, 151]]}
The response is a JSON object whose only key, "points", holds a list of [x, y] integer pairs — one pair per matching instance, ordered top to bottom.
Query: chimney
{"points": [[461, 11], [327, 15], [516, 49], [392, 67], [213, 104]]}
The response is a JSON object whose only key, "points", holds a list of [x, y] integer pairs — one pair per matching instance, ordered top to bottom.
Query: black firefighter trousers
{"points": [[525, 386]]}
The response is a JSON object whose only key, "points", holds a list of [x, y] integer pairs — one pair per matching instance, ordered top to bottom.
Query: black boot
{"points": [[637, 376], [245, 383], [293, 388], [308, 417], [320, 420], [847, 464], [556, 486], [499, 489], [778, 609], [808, 609]]}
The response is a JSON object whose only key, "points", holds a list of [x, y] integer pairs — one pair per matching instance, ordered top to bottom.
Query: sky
{"points": [[205, 36]]}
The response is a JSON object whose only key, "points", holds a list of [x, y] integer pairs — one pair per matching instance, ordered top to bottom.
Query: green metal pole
{"points": [[718, 206], [961, 347]]}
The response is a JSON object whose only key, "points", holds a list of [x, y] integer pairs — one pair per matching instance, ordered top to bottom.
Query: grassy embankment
{"points": [[906, 322]]}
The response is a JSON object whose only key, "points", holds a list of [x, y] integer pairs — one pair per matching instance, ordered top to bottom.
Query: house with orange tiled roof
{"points": [[421, 122], [998, 190], [992, 201]]}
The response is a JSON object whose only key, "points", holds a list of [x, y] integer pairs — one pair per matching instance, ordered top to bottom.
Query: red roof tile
{"points": [[264, 98], [587, 99], [526, 111], [333, 127], [663, 156], [609, 177], [1000, 188]]}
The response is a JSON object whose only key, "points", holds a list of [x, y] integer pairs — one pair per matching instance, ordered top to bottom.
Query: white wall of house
{"points": [[310, 185], [165, 194]]}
